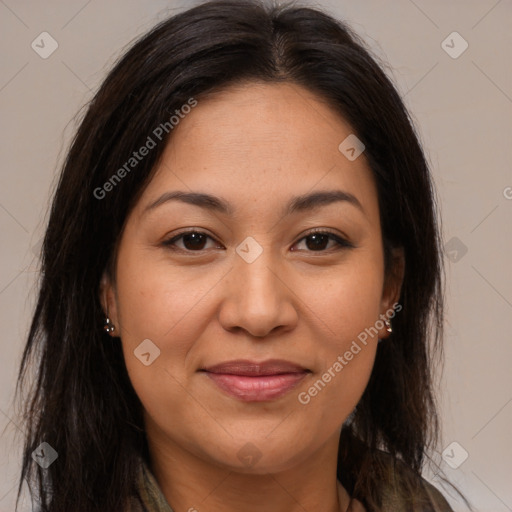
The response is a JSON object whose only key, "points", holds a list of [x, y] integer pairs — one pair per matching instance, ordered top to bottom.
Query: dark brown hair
{"points": [[81, 400]]}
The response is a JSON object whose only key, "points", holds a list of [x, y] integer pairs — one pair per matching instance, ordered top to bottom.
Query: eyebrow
{"points": [[306, 202]]}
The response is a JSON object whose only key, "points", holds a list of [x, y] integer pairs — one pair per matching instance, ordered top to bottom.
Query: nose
{"points": [[257, 298]]}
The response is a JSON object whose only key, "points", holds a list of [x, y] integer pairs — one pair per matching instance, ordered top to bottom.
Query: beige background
{"points": [[463, 109]]}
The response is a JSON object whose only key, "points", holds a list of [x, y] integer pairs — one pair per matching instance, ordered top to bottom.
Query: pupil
{"points": [[195, 238], [316, 238]]}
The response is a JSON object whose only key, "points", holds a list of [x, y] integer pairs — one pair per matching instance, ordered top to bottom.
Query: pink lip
{"points": [[256, 382], [256, 389]]}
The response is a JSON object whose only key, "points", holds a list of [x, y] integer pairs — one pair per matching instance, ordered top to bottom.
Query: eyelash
{"points": [[341, 242]]}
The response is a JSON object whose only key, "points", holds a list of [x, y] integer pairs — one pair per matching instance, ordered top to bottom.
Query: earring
{"points": [[108, 326], [388, 326]]}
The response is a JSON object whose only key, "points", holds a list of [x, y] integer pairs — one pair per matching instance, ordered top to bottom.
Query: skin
{"points": [[255, 145]]}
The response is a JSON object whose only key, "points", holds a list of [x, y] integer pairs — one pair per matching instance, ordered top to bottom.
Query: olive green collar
{"points": [[150, 493], [151, 499]]}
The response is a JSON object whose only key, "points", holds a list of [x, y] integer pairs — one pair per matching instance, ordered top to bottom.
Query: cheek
{"points": [[157, 300], [345, 301], [168, 306], [345, 310], [345, 355]]}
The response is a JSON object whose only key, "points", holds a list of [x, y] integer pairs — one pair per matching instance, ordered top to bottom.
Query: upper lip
{"points": [[253, 368]]}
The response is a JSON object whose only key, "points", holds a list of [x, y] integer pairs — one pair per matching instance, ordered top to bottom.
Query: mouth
{"points": [[256, 382]]}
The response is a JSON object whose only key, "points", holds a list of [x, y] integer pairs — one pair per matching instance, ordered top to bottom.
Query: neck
{"points": [[191, 482]]}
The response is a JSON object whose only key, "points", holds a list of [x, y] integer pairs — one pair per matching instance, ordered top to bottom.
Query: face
{"points": [[254, 281]]}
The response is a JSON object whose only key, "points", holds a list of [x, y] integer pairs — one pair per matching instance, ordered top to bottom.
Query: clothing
{"points": [[151, 499]]}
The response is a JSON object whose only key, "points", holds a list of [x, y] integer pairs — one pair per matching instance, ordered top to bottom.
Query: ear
{"points": [[392, 287], [109, 303]]}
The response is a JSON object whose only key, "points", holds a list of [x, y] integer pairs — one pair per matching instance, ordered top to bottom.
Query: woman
{"points": [[240, 272]]}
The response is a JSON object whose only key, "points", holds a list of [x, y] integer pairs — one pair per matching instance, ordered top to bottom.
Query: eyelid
{"points": [[342, 239]]}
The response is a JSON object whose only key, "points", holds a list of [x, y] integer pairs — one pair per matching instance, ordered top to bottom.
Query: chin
{"points": [[259, 457]]}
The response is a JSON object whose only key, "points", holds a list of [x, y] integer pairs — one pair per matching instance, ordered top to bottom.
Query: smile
{"points": [[256, 388]]}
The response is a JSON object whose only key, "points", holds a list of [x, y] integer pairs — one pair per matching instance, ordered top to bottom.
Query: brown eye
{"points": [[192, 241], [317, 241]]}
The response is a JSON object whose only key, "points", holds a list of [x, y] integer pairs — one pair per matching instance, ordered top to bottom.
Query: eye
{"points": [[319, 238], [193, 241]]}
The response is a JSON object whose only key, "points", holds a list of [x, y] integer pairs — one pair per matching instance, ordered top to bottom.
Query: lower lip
{"points": [[256, 389]]}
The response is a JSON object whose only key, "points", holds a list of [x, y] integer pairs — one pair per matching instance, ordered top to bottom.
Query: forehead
{"points": [[273, 122], [259, 140]]}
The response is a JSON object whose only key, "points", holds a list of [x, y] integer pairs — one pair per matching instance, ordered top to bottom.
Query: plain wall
{"points": [[463, 111]]}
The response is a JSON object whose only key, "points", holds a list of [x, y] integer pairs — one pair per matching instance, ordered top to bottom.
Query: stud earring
{"points": [[108, 326], [388, 326]]}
